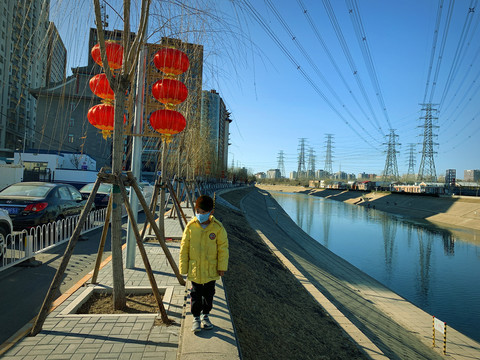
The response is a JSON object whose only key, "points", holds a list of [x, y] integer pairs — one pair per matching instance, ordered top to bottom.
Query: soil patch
{"points": [[102, 303], [275, 317]]}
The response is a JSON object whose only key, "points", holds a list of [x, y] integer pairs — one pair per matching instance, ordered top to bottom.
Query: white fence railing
{"points": [[21, 246]]}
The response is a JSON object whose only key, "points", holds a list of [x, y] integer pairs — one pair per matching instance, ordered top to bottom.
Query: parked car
{"points": [[104, 190], [102, 196], [35, 203], [6, 228]]}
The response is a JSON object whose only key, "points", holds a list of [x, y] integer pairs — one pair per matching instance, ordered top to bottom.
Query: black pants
{"points": [[202, 298]]}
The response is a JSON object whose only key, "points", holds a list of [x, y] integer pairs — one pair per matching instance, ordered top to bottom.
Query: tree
{"points": [[120, 84]]}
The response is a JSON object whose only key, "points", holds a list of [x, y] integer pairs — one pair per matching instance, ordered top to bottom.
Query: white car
{"points": [[5, 230]]}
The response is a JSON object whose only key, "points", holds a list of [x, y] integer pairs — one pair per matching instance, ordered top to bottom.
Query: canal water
{"points": [[435, 268]]}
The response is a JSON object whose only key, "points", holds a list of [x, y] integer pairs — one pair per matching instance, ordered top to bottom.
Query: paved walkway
{"points": [[384, 324], [67, 335]]}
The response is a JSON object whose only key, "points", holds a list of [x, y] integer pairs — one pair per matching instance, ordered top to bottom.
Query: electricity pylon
{"points": [[328, 154], [301, 158], [311, 162], [411, 162], [281, 163], [391, 169], [427, 170]]}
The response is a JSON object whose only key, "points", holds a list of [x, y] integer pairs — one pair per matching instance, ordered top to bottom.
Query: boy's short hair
{"points": [[204, 202]]}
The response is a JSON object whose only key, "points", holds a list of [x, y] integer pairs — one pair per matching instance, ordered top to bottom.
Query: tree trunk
{"points": [[119, 300]]}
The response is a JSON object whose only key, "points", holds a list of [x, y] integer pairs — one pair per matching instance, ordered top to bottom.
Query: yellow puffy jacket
{"points": [[203, 251]]}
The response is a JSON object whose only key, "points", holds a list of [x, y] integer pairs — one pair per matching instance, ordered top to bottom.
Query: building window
{"points": [[72, 106], [71, 122], [70, 138]]}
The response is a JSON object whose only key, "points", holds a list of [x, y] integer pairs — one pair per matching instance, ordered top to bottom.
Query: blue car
{"points": [[35, 203]]}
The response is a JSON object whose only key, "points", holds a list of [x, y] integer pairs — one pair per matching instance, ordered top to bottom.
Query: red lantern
{"points": [[114, 54], [172, 62], [100, 87], [170, 92], [102, 116], [167, 122]]}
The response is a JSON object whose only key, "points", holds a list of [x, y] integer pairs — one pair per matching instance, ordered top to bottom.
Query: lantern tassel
{"points": [[106, 134]]}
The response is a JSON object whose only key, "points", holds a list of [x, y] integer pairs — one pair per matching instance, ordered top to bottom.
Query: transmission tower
{"points": [[328, 155], [301, 158], [311, 162], [411, 162], [281, 163], [391, 170], [427, 170]]}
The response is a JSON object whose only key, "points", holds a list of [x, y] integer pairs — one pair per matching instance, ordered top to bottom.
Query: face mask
{"points": [[203, 217]]}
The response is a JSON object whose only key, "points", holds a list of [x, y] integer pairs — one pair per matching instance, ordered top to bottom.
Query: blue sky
{"points": [[277, 97]]}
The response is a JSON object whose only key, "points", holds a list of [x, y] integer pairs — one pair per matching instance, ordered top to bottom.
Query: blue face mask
{"points": [[203, 217]]}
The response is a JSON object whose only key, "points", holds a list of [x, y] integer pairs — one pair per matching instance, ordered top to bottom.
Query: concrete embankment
{"points": [[455, 211], [399, 329]]}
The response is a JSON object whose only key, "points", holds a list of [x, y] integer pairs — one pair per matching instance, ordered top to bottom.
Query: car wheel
{"points": [[3, 243]]}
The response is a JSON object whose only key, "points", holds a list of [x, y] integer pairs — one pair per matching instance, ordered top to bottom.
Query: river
{"points": [[435, 268]]}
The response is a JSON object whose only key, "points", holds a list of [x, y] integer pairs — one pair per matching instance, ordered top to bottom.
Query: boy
{"points": [[204, 257]]}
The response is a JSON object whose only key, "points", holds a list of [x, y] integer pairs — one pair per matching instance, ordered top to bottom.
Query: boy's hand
{"points": [[221, 272]]}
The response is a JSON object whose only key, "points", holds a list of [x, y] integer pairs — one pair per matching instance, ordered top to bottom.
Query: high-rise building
{"points": [[56, 57], [23, 60], [216, 119], [274, 174], [471, 175], [450, 176]]}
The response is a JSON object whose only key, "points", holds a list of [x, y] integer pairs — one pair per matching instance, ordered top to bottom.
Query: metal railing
{"points": [[24, 245]]}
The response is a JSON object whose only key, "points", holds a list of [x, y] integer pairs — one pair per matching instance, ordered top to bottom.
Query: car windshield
{"points": [[104, 188], [26, 190]]}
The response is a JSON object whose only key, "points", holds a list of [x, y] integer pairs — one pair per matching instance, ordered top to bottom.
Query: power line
{"points": [[367, 55]]}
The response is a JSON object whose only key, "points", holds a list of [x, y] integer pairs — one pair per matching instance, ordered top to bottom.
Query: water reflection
{"points": [[326, 219], [389, 229], [425, 239], [448, 243], [434, 268]]}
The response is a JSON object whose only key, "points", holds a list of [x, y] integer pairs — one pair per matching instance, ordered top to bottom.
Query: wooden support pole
{"points": [[178, 208], [159, 234], [101, 246], [141, 248], [57, 279]]}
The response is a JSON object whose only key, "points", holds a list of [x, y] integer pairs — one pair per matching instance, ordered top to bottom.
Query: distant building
{"points": [[56, 57], [23, 58], [216, 120], [62, 123], [274, 174], [320, 174], [260, 175], [293, 175], [340, 175], [471, 175], [365, 176], [450, 176]]}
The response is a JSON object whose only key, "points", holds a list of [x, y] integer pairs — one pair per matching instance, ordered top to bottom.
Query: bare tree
{"points": [[120, 84]]}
